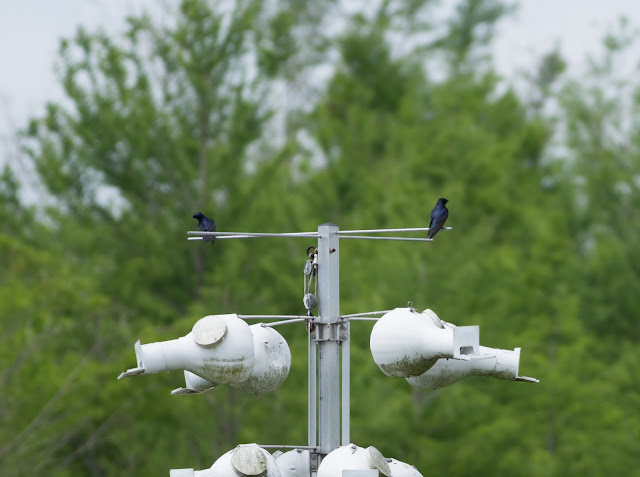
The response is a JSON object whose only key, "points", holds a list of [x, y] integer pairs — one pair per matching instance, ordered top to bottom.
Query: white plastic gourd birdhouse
{"points": [[407, 343], [218, 349], [432, 353], [495, 363], [271, 364], [194, 384], [352, 457], [246, 460], [295, 463], [402, 469]]}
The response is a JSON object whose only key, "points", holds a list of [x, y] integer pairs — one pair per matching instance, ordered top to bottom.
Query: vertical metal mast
{"points": [[328, 334], [346, 379], [313, 381]]}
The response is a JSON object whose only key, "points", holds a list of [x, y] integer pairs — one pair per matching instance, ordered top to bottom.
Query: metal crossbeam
{"points": [[382, 231], [253, 234], [347, 234], [399, 239], [368, 313], [274, 317], [283, 322], [285, 446]]}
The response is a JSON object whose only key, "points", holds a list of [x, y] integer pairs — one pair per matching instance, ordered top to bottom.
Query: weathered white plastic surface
{"points": [[209, 331], [466, 342], [407, 343], [220, 350], [432, 353], [272, 361], [496, 363], [194, 384], [352, 457], [246, 460], [294, 463], [401, 469], [181, 473]]}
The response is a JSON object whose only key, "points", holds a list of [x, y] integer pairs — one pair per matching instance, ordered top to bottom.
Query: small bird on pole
{"points": [[439, 216], [205, 224]]}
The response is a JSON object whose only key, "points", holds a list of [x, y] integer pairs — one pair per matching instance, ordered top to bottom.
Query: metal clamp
{"points": [[329, 331], [313, 457]]}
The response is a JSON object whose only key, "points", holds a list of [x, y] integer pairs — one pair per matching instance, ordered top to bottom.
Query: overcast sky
{"points": [[30, 30]]}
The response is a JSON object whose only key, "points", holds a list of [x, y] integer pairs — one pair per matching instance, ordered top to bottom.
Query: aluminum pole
{"points": [[328, 349], [346, 391], [312, 393]]}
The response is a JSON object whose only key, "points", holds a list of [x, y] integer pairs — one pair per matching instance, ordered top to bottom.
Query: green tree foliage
{"points": [[190, 115], [602, 160]]}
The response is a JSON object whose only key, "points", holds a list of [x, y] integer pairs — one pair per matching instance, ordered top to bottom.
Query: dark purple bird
{"points": [[439, 216], [205, 224]]}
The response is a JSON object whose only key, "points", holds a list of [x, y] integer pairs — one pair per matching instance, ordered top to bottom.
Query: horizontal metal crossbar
{"points": [[382, 231], [342, 233], [252, 234], [399, 239], [368, 313], [275, 317], [283, 322], [285, 446]]}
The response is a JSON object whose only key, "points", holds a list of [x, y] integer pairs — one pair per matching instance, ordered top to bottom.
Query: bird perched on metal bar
{"points": [[439, 216], [205, 224]]}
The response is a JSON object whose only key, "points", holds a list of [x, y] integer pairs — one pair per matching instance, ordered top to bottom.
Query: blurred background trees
{"points": [[279, 116]]}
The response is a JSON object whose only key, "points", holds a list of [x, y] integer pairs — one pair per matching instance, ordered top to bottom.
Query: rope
{"points": [[310, 271]]}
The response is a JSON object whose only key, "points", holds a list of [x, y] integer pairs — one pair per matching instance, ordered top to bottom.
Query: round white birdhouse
{"points": [[407, 343], [229, 344], [219, 349], [272, 361], [352, 457], [246, 460], [294, 463], [401, 469]]}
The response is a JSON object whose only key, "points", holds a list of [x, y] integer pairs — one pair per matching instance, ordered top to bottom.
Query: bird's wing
{"points": [[441, 220], [436, 223], [210, 226]]}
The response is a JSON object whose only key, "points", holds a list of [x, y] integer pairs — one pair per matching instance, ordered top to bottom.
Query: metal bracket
{"points": [[329, 331], [313, 457]]}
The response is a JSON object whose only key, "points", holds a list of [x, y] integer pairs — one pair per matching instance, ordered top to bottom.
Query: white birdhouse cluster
{"points": [[225, 350], [351, 457], [250, 460]]}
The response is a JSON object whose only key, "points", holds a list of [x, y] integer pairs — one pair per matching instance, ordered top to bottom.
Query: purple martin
{"points": [[439, 216], [205, 224]]}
